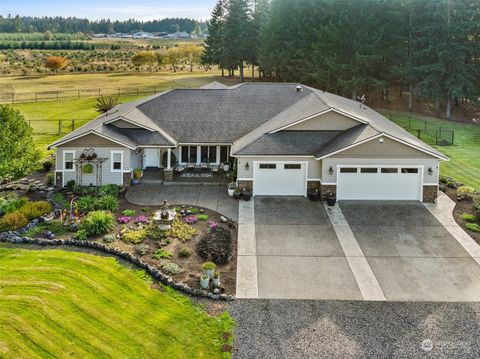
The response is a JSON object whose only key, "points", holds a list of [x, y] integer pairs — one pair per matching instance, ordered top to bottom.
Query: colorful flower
{"points": [[123, 219], [141, 219], [191, 219], [212, 224]]}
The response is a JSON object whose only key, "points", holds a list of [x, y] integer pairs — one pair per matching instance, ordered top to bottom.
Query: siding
{"points": [[330, 121], [90, 140], [314, 166]]}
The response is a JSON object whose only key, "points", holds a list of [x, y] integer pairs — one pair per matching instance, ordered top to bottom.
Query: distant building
{"points": [[143, 35], [179, 35]]}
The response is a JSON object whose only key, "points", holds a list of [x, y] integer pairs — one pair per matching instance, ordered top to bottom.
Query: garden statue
{"points": [[164, 217]]}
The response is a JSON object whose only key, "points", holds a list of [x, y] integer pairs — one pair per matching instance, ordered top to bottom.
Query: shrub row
{"points": [[105, 203], [18, 218]]}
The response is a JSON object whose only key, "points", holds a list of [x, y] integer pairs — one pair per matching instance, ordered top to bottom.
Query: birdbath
{"points": [[164, 217]]}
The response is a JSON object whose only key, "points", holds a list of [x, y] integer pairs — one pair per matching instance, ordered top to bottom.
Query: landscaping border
{"points": [[14, 237]]}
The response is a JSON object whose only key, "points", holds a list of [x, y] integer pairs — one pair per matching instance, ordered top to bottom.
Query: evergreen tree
{"points": [[259, 22], [214, 43]]}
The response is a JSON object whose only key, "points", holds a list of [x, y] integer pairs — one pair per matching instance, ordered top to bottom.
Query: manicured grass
{"points": [[464, 164], [57, 303]]}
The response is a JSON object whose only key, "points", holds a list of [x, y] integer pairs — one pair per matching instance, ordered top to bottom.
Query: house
{"points": [[143, 35], [179, 35], [287, 139]]}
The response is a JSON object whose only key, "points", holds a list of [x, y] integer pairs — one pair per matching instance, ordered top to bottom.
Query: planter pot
{"points": [[226, 168], [135, 181], [230, 192], [237, 195], [247, 196], [314, 196], [331, 201], [209, 272], [204, 282], [216, 282]]}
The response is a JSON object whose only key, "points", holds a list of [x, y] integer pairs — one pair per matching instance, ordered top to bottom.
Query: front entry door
{"points": [[151, 157]]}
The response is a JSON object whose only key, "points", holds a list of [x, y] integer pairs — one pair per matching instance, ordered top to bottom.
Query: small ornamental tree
{"points": [[191, 53], [174, 56], [144, 58], [55, 63], [18, 154]]}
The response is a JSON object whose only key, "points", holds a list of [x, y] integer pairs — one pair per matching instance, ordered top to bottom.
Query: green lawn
{"points": [[464, 164], [57, 303]]}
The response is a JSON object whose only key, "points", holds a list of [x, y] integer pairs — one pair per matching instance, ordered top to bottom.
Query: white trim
{"points": [[332, 109], [129, 121], [383, 134], [56, 144], [204, 144], [150, 146], [113, 152], [272, 156], [63, 160], [281, 162], [245, 179], [314, 179], [329, 183], [430, 184]]}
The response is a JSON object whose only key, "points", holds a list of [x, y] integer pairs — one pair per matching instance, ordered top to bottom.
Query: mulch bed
{"points": [[462, 207]]}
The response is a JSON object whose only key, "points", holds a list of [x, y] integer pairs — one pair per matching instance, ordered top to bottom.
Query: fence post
{"points": [[99, 90], [13, 97], [425, 121], [409, 122], [73, 124], [59, 127], [440, 132], [418, 133], [453, 136], [436, 137]]}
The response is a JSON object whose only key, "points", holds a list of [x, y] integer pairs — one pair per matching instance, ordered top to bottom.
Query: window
{"points": [[189, 154], [208, 154], [223, 154], [68, 157], [117, 161], [267, 166], [292, 166], [348, 170], [368, 170], [389, 170], [409, 170]]}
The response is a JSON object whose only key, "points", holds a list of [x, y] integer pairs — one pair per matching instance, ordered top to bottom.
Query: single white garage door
{"points": [[280, 178], [379, 183]]}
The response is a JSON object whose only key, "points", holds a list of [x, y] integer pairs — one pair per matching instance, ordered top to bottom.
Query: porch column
{"points": [[169, 158]]}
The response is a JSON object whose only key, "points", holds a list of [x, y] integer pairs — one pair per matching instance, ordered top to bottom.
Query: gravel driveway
{"points": [[354, 329]]}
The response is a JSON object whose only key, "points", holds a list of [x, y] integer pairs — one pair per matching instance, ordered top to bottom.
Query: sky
{"points": [[113, 9]]}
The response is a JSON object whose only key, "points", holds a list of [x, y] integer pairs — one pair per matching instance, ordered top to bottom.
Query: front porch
{"points": [[205, 176]]}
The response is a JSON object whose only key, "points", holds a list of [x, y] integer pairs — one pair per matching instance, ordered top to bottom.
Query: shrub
{"points": [[47, 165], [443, 179], [70, 184], [451, 184], [109, 190], [465, 192], [60, 200], [106, 203], [11, 204], [85, 204], [476, 206], [36, 209], [145, 209], [194, 210], [128, 212], [202, 217], [469, 218], [123, 219], [141, 219], [191, 219], [13, 221], [97, 222], [54, 226], [474, 227], [182, 231], [155, 233], [80, 235], [135, 236], [109, 238], [216, 246], [141, 250], [185, 252], [162, 254], [209, 266], [171, 268]]}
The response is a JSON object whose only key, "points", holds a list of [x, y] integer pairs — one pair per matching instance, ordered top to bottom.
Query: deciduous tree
{"points": [[55, 63]]}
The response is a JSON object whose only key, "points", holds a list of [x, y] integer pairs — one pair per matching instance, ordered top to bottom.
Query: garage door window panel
{"points": [[267, 166], [293, 166], [348, 170], [369, 170], [389, 170], [409, 170]]}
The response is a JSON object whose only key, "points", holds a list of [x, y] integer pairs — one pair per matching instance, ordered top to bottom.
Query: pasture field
{"points": [[58, 303]]}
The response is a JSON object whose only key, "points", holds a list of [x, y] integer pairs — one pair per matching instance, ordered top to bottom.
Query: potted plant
{"points": [[226, 167], [88, 168], [137, 175], [231, 189], [237, 193], [246, 195], [314, 195], [331, 199], [209, 268], [216, 280], [204, 281]]}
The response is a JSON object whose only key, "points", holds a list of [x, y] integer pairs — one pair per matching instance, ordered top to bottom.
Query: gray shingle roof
{"points": [[289, 143]]}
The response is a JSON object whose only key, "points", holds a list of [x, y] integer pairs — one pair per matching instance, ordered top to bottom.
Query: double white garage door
{"points": [[353, 183], [379, 183]]}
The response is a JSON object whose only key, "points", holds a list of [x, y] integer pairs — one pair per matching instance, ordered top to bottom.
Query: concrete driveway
{"points": [[210, 196], [298, 253], [411, 254]]}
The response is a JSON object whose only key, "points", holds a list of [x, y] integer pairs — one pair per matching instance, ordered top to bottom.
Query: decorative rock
{"points": [[223, 219], [216, 291]]}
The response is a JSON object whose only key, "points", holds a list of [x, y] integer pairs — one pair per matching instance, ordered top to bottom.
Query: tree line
{"points": [[29, 24], [46, 45], [353, 47]]}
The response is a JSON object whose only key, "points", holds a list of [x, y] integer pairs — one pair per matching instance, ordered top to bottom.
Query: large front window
{"points": [[189, 154], [209, 154], [68, 160]]}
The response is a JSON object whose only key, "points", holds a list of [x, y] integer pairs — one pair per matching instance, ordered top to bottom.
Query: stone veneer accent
{"points": [[168, 175], [58, 179], [127, 179], [245, 184], [312, 185], [325, 189], [430, 194]]}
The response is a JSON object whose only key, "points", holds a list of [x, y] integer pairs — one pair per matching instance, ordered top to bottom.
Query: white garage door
{"points": [[280, 178], [379, 183]]}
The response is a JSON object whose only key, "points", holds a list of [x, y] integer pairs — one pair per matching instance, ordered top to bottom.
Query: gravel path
{"points": [[355, 329]]}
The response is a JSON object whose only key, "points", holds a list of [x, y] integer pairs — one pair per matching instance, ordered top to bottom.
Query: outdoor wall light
{"points": [[380, 140], [247, 166], [330, 170], [430, 171]]}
